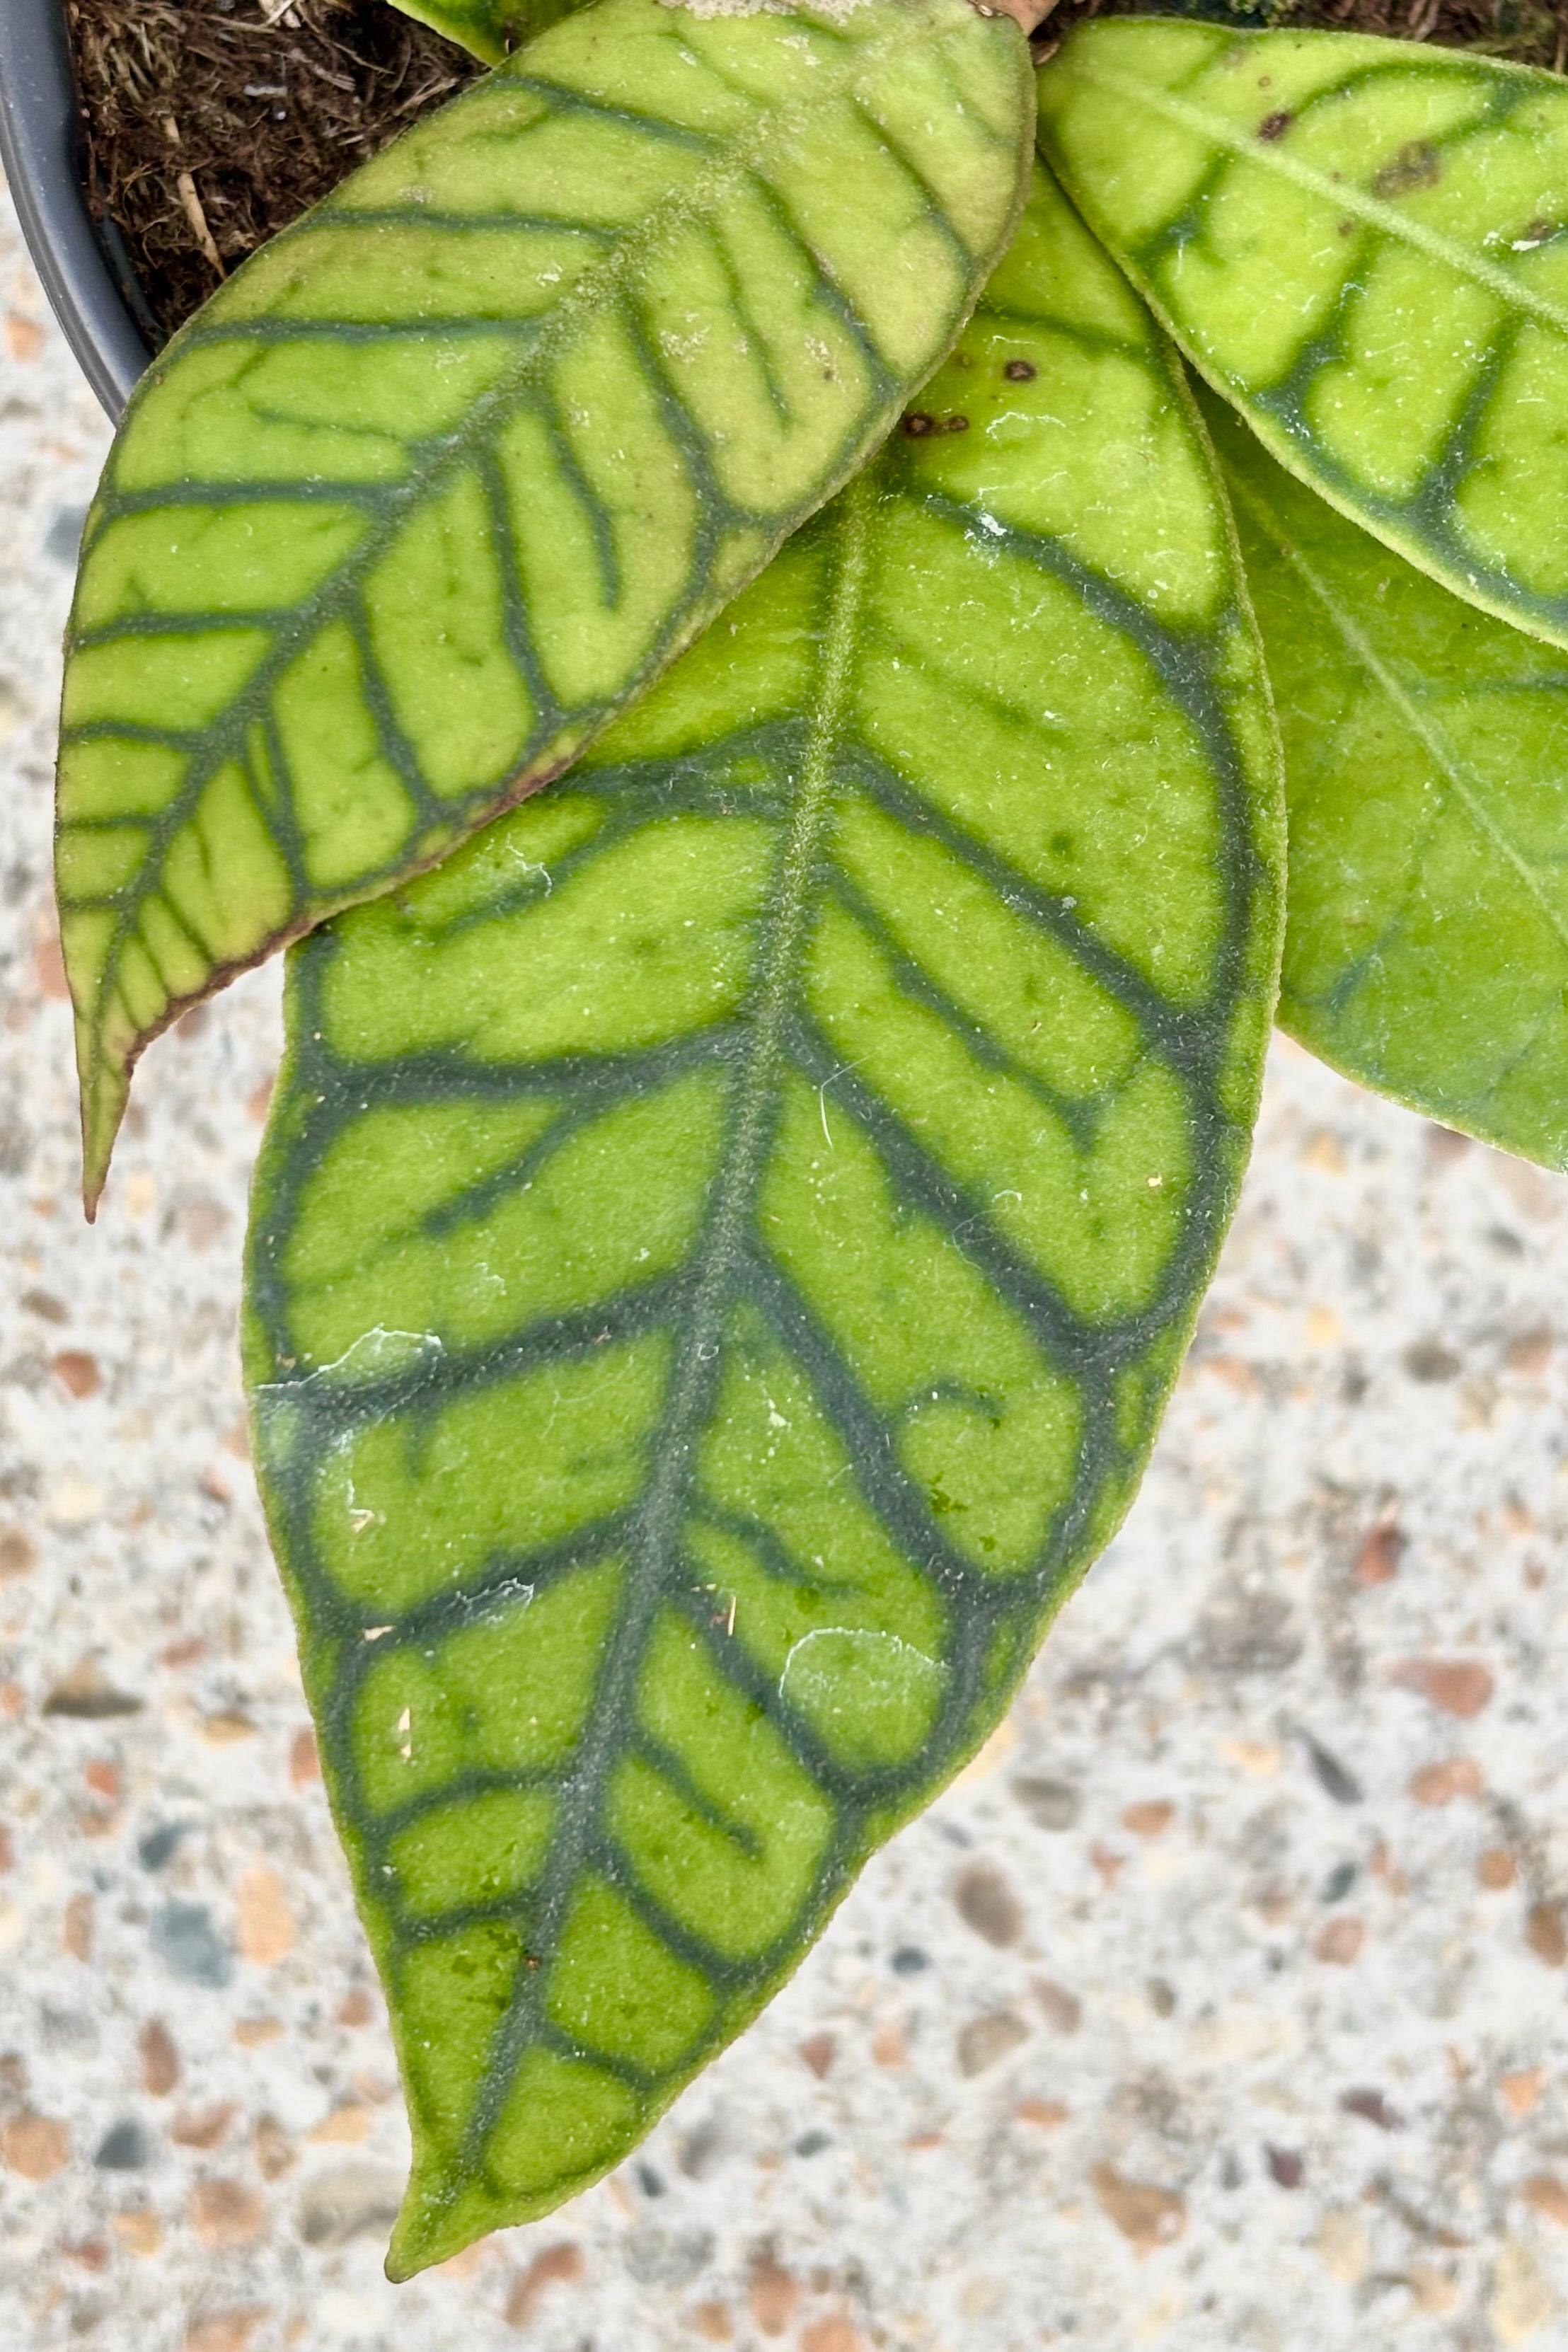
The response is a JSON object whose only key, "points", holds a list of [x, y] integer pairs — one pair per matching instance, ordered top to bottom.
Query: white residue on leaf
{"points": [[374, 1355], [814, 1678]]}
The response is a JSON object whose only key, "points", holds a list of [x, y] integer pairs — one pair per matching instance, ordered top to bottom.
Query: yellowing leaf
{"points": [[1363, 244], [443, 477], [723, 1242]]}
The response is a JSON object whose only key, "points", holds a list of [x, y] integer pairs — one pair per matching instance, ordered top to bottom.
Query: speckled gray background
{"points": [[1221, 2004]]}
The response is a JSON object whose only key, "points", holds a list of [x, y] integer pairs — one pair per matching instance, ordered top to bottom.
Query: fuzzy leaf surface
{"points": [[1363, 244], [439, 481], [1427, 935], [723, 1242]]}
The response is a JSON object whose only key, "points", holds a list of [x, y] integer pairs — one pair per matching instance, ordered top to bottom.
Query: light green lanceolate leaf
{"points": [[488, 27], [1363, 244], [438, 482], [1426, 938], [723, 1243]]}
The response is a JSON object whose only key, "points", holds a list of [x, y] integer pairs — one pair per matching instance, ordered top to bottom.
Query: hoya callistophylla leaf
{"points": [[488, 27], [1363, 244], [439, 481], [1427, 938], [723, 1243]]}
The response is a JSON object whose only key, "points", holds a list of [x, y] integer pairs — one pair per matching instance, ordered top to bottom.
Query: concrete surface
{"points": [[1222, 2005]]}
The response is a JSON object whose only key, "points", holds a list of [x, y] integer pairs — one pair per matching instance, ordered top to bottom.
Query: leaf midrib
{"points": [[1373, 211], [1431, 736], [721, 1251]]}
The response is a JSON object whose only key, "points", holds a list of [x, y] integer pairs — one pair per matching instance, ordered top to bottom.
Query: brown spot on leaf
{"points": [[1274, 126], [1417, 165], [1020, 371], [917, 425], [1458, 1686], [985, 1902], [1146, 2216], [559, 2265]]}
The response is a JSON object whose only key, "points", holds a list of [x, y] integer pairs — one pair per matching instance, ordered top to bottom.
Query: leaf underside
{"points": [[488, 27], [1363, 244], [441, 478], [1427, 934], [723, 1243]]}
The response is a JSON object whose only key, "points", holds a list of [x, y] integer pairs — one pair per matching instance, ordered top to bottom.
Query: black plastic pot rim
{"points": [[39, 142]]}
